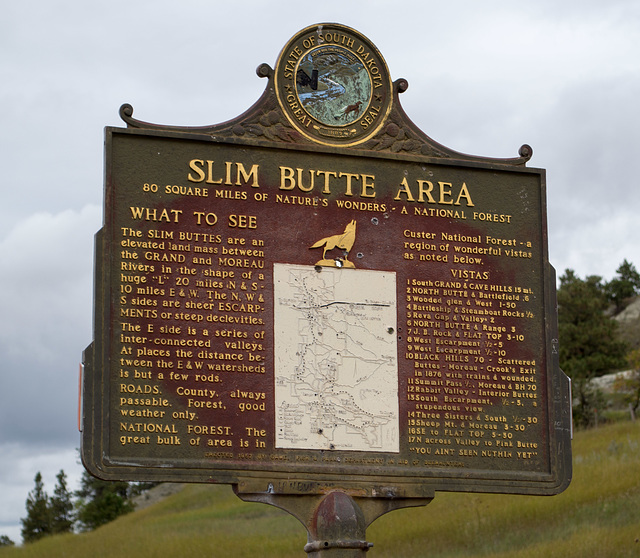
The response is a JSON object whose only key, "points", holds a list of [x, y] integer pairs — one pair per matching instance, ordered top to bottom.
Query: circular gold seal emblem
{"points": [[333, 85]]}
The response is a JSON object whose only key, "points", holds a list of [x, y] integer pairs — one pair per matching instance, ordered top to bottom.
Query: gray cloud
{"points": [[45, 291]]}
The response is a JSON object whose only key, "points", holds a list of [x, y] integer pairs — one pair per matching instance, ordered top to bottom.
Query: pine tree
{"points": [[624, 286], [589, 346], [100, 502], [61, 506], [37, 524], [6, 541]]}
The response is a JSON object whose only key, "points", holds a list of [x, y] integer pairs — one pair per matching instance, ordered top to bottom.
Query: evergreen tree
{"points": [[625, 285], [589, 346], [100, 502], [61, 506], [37, 524], [6, 541]]}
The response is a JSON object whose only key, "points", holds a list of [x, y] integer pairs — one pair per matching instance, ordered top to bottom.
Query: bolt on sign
{"points": [[317, 294]]}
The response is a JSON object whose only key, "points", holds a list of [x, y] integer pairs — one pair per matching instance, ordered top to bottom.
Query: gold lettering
{"points": [[193, 165], [252, 173], [327, 174], [349, 176], [210, 179], [287, 180], [311, 182], [368, 184], [404, 188], [422, 192], [445, 192], [464, 192], [445, 196], [153, 214]]}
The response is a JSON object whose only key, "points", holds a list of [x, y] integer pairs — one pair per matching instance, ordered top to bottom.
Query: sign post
{"points": [[322, 306]]}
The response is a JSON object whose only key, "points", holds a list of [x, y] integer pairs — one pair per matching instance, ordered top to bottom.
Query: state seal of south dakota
{"points": [[333, 85]]}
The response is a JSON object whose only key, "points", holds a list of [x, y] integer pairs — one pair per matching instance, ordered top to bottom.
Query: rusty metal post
{"points": [[336, 522], [337, 528]]}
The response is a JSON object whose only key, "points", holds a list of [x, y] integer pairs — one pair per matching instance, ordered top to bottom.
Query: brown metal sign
{"points": [[318, 295]]}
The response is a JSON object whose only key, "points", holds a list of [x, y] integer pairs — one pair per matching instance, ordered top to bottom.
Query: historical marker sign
{"points": [[319, 295]]}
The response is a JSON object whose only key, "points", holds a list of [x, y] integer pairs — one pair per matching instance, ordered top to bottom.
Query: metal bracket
{"points": [[336, 522]]}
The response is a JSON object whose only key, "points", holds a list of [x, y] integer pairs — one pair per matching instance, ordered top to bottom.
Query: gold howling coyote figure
{"points": [[344, 241]]}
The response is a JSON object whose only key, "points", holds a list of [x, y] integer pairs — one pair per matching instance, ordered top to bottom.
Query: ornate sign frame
{"points": [[316, 296]]}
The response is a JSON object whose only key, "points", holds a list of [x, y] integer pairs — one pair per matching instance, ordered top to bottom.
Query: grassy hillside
{"points": [[598, 516]]}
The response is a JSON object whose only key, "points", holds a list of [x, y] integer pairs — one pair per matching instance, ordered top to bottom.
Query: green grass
{"points": [[597, 516]]}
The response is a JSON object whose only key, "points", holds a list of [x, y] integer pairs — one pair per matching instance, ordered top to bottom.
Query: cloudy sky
{"points": [[484, 77]]}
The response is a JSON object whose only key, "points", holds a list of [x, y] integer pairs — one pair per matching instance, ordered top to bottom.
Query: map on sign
{"points": [[336, 377]]}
